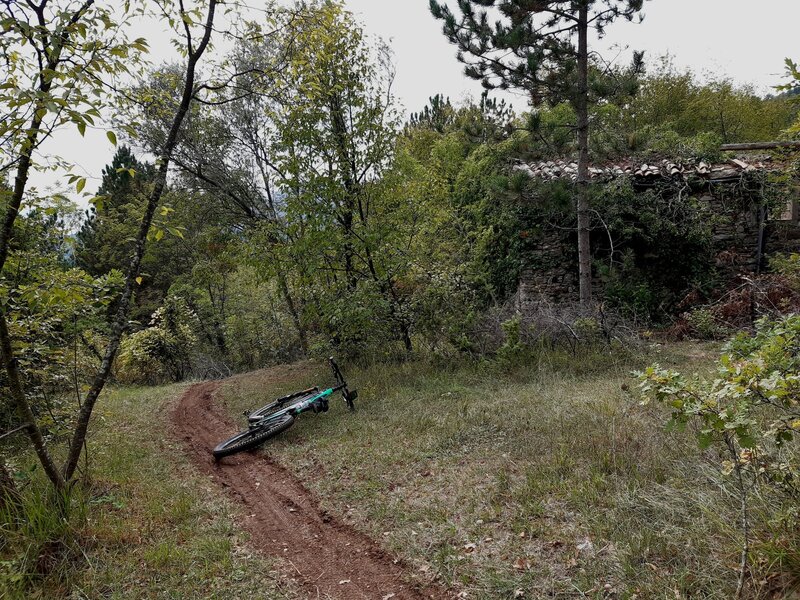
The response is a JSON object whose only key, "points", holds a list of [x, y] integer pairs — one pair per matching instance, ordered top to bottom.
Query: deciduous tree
{"points": [[58, 56]]}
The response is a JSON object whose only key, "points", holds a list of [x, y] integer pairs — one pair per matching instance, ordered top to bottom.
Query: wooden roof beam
{"points": [[758, 146]]}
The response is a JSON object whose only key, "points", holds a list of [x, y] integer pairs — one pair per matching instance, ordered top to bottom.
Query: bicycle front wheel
{"points": [[253, 437]]}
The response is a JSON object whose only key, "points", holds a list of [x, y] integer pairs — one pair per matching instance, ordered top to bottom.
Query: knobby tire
{"points": [[253, 437]]}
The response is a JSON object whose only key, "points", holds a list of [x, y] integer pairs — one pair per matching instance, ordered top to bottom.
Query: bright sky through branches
{"points": [[737, 38]]}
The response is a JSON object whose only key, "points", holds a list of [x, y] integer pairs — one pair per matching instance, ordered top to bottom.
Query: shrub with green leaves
{"points": [[701, 146], [789, 267], [704, 325], [512, 350], [163, 351], [753, 405], [751, 413]]}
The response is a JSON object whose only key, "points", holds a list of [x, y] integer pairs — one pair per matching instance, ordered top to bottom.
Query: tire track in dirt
{"points": [[330, 558]]}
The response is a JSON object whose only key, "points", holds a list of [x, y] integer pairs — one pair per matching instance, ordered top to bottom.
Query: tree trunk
{"points": [[582, 106], [346, 166], [349, 253], [121, 319], [298, 324], [404, 329]]}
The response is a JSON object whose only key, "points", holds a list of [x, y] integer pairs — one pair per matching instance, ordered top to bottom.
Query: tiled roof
{"points": [[563, 169]]}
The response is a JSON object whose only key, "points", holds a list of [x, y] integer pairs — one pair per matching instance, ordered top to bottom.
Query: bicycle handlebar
{"points": [[337, 372], [341, 384]]}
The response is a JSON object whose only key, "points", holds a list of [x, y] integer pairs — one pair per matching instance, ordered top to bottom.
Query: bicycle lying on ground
{"points": [[270, 420]]}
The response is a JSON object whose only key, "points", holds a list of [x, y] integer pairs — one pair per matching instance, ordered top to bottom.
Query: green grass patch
{"points": [[547, 479], [147, 526]]}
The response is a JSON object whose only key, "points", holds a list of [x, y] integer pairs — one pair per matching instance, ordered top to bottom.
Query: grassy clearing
{"points": [[548, 482], [147, 527]]}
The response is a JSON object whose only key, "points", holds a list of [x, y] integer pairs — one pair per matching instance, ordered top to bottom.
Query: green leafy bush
{"points": [[702, 146], [789, 267], [357, 324], [704, 325], [587, 328], [258, 330], [512, 350], [163, 351], [753, 403], [751, 412]]}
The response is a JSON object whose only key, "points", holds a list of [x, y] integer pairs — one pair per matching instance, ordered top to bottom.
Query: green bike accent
{"points": [[313, 399], [273, 419]]}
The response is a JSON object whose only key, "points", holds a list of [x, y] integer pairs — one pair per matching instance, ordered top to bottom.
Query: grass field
{"points": [[546, 480], [550, 481]]}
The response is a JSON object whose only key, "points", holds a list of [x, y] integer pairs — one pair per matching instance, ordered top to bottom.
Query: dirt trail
{"points": [[330, 558]]}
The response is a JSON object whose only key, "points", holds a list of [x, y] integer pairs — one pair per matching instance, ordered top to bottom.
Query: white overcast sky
{"points": [[744, 40]]}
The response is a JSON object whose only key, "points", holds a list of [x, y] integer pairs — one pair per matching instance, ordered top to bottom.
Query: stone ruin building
{"points": [[745, 235]]}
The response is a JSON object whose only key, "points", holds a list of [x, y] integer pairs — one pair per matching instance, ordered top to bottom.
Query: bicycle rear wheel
{"points": [[253, 437]]}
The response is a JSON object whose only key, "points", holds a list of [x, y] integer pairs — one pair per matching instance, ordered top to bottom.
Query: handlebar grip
{"points": [[337, 373]]}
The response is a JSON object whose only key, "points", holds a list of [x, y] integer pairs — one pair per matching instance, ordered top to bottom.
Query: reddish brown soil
{"points": [[327, 556]]}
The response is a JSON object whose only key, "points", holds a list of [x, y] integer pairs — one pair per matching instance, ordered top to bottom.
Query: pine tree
{"points": [[541, 47], [438, 115], [486, 121], [104, 239]]}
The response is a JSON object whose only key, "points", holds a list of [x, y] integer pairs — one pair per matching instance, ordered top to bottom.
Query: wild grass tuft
{"points": [[40, 534]]}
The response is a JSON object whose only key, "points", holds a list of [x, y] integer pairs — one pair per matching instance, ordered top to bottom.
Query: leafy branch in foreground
{"points": [[59, 38], [57, 57], [751, 410]]}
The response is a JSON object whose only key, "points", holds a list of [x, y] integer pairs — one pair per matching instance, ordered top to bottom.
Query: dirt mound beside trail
{"points": [[328, 557]]}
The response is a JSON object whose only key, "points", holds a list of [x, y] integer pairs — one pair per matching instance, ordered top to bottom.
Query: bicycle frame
{"points": [[297, 409]]}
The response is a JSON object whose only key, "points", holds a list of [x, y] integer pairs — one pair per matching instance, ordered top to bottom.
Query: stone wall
{"points": [[736, 233], [552, 274]]}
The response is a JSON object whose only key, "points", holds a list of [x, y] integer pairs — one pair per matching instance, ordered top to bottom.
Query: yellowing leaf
{"points": [[139, 280]]}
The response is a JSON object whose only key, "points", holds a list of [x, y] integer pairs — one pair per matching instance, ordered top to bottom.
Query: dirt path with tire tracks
{"points": [[330, 558]]}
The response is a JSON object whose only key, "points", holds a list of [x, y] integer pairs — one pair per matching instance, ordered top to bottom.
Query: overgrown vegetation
{"points": [[269, 202]]}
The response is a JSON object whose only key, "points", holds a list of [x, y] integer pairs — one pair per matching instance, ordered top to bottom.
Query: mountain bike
{"points": [[277, 417]]}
